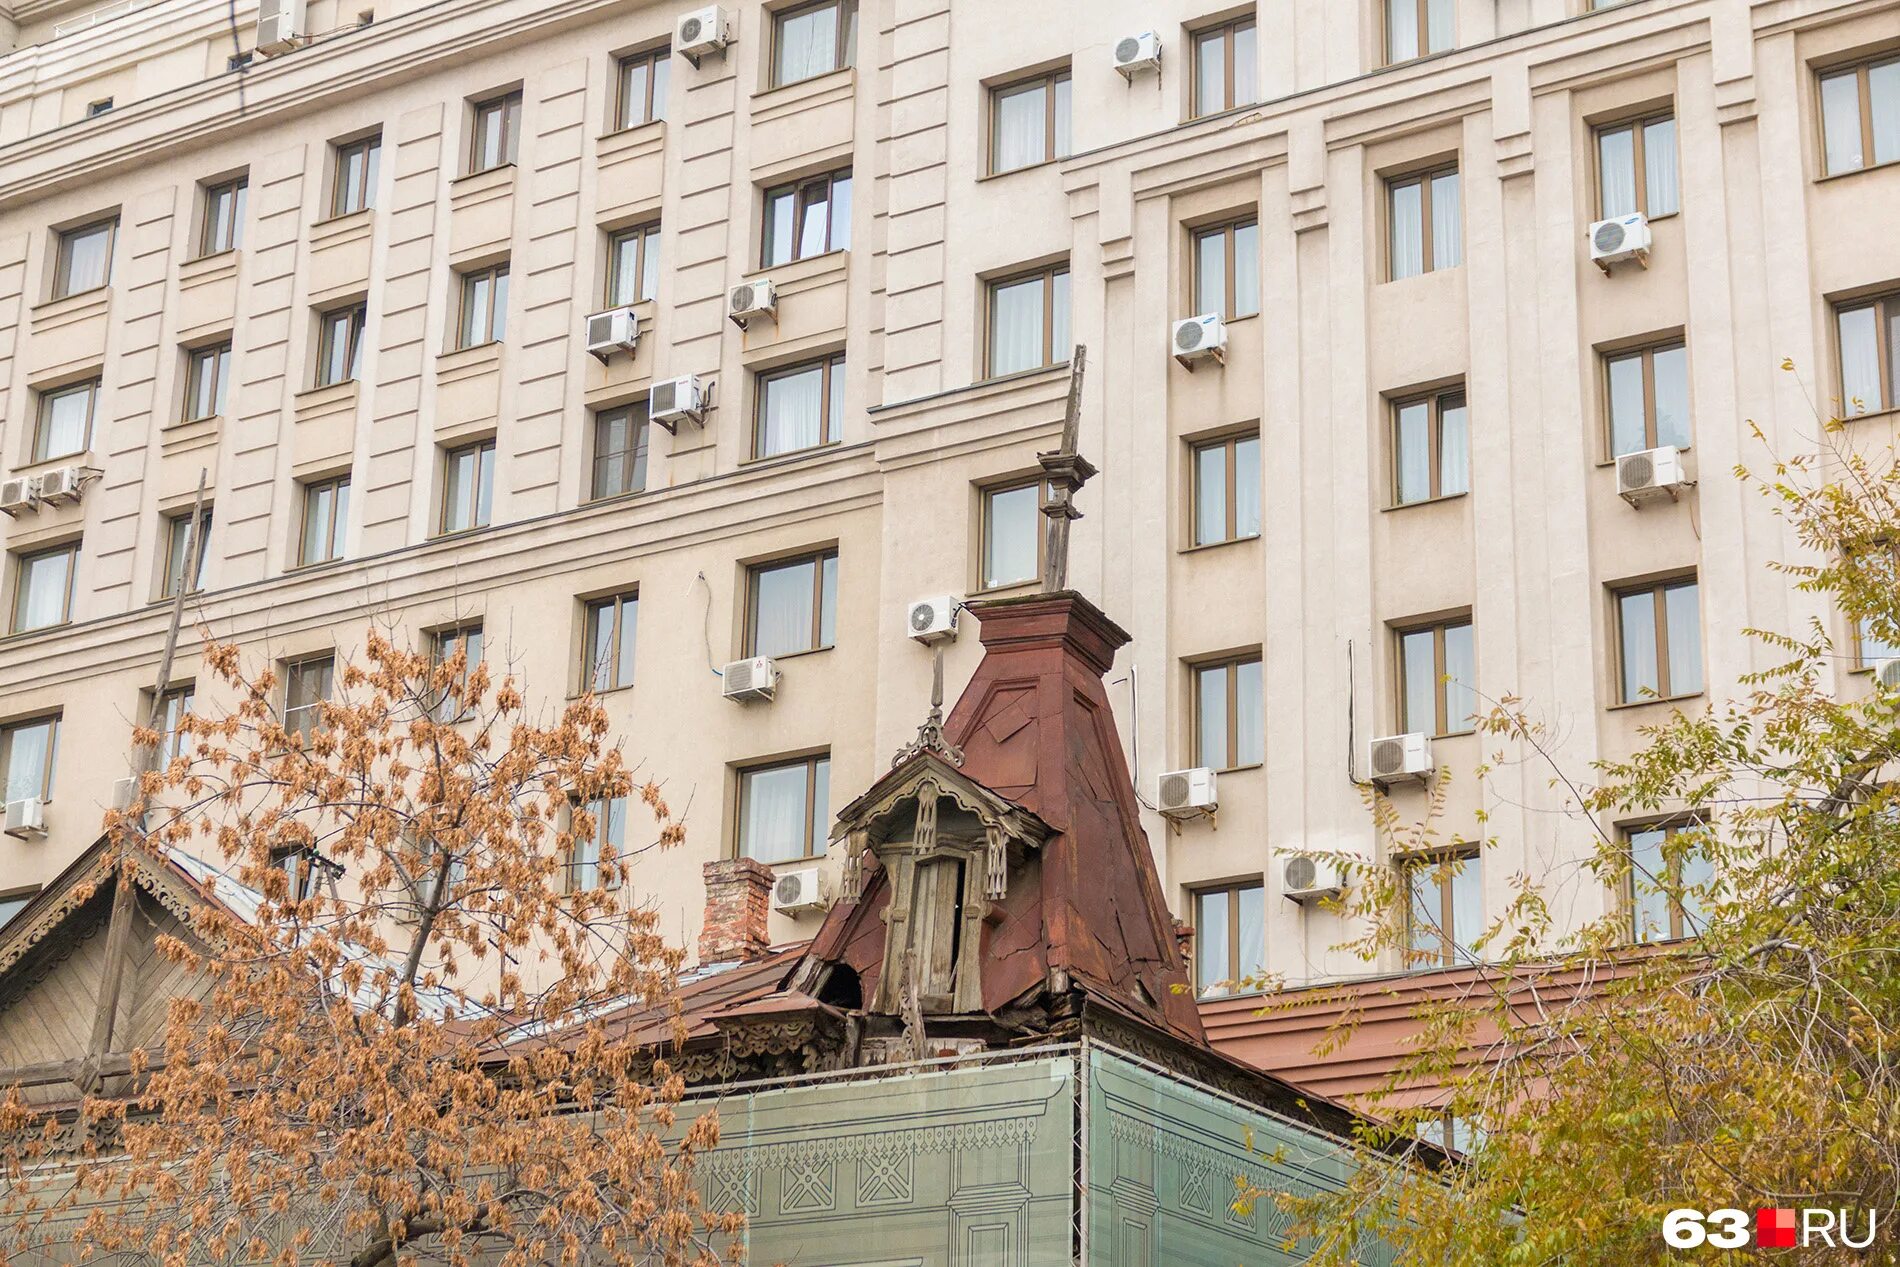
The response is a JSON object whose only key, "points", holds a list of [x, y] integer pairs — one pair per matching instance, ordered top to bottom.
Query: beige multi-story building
{"points": [[348, 284]]}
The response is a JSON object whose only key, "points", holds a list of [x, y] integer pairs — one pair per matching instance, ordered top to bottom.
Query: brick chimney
{"points": [[738, 902]]}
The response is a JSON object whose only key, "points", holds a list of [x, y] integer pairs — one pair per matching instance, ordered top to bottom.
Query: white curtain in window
{"points": [[1437, 25], [1401, 30], [807, 44], [1210, 73], [1246, 78], [1883, 83], [1021, 117], [1062, 117], [1840, 121], [1659, 167], [1616, 172], [1448, 222], [1408, 230], [814, 234], [89, 254], [1246, 269], [1210, 272], [1016, 327], [1860, 361], [1670, 369], [793, 412], [66, 417], [1628, 432], [1454, 450], [1415, 453], [1247, 487], [1210, 494], [44, 584], [782, 614], [1636, 615], [1683, 617], [1872, 646], [1461, 674], [1421, 683], [1250, 714], [1213, 719], [29, 754], [820, 804], [775, 814], [1467, 905], [1252, 932], [1210, 941]]}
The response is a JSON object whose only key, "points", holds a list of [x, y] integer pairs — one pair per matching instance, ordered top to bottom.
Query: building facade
{"points": [[347, 286]]}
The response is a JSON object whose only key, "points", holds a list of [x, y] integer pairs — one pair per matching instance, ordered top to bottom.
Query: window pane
{"points": [[1437, 25], [1401, 30], [807, 45], [1210, 73], [662, 76], [1246, 83], [1883, 86], [633, 90], [1063, 96], [1021, 116], [1840, 121], [1659, 166], [1616, 172], [779, 210], [840, 214], [1448, 222], [814, 229], [1408, 230], [88, 258], [650, 263], [624, 266], [1246, 270], [1210, 272], [476, 291], [498, 314], [1016, 326], [1060, 349], [1860, 361], [1671, 374], [834, 403], [791, 412], [65, 421], [1628, 433], [620, 451], [1414, 452], [1454, 457], [1247, 487], [1210, 494], [1009, 536], [45, 585], [828, 601], [781, 609], [1682, 611], [1637, 621], [629, 629], [1871, 645], [600, 646], [1419, 659], [1461, 679], [1211, 699], [1250, 721], [30, 750], [820, 804], [776, 816], [1649, 872], [1697, 873], [1467, 904], [1427, 911], [1212, 944]]}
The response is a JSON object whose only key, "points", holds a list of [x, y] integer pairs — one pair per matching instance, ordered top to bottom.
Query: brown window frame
{"points": [[1424, 18], [1197, 38], [844, 47], [623, 68], [1862, 71], [1046, 81], [507, 107], [1638, 127], [371, 148], [1423, 178], [800, 192], [207, 228], [639, 233], [63, 255], [1229, 260], [495, 274], [1048, 274], [1886, 309], [354, 318], [1648, 353], [218, 356], [1437, 403], [43, 412], [828, 426], [484, 451], [634, 460], [1230, 491], [176, 523], [338, 526], [986, 531], [816, 558], [20, 560], [1658, 592], [614, 607], [443, 644], [1231, 664], [183, 695], [1441, 703], [315, 708], [56, 720], [814, 843], [1439, 860], [607, 876], [1231, 891], [1626, 896]]}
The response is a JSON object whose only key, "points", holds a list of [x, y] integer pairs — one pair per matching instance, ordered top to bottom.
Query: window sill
{"points": [[810, 83], [618, 136], [1017, 171], [1857, 171], [499, 174], [331, 225], [209, 257], [799, 259], [76, 301], [989, 380], [323, 393], [1889, 414], [790, 455], [1425, 501], [458, 533], [1205, 546], [320, 565], [1008, 587], [38, 629], [792, 655], [600, 694], [1623, 705], [1239, 769], [784, 862]]}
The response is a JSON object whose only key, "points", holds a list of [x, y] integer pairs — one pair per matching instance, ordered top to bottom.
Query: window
{"points": [[1414, 28], [813, 39], [1225, 61], [236, 62], [642, 82], [96, 108], [1860, 116], [1029, 122], [497, 131], [356, 164], [1636, 168], [808, 218], [1426, 222], [223, 227], [85, 258], [633, 265], [1227, 269], [484, 307], [1029, 321], [1869, 332], [340, 345], [207, 373], [1648, 392], [799, 408], [65, 420], [1430, 447], [620, 450], [468, 487], [1227, 490], [326, 515], [1012, 534], [179, 544], [43, 587], [792, 606], [612, 626], [1659, 636], [465, 640], [1869, 647], [1438, 674], [306, 688], [173, 706], [1230, 725], [28, 751], [783, 809], [589, 858], [1669, 878], [11, 904], [1445, 916], [1230, 937]]}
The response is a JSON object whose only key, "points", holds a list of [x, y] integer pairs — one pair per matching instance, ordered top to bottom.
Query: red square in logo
{"points": [[1774, 1229]]}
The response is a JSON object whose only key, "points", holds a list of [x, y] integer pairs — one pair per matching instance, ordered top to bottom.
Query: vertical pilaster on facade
{"points": [[918, 106], [705, 242], [554, 295], [14, 398], [738, 907]]}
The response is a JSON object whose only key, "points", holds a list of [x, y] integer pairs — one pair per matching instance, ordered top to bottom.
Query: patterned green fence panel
{"points": [[1163, 1158], [970, 1167]]}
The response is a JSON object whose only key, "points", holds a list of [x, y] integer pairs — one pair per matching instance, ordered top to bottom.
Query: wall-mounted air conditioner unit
{"points": [[280, 25], [702, 31], [1136, 54], [1620, 240], [751, 300], [616, 330], [1200, 338], [677, 400], [1649, 475], [63, 484], [22, 492], [932, 619], [1887, 673], [750, 679], [1397, 758], [1187, 793], [26, 818], [1310, 879], [795, 892]]}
